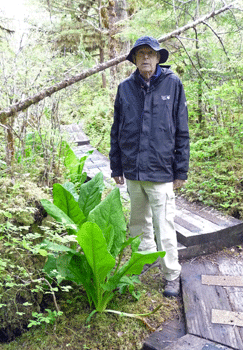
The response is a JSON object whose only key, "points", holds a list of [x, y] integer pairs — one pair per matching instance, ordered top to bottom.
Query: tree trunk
{"points": [[121, 16], [112, 42], [102, 58], [200, 84], [10, 143]]}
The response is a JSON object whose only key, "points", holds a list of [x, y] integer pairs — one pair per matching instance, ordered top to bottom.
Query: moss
{"points": [[20, 199], [106, 330]]}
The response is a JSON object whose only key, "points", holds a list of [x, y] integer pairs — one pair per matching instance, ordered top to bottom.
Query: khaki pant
{"points": [[152, 214]]}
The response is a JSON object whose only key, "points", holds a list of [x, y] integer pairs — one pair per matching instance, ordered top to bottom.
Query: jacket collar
{"points": [[153, 79]]}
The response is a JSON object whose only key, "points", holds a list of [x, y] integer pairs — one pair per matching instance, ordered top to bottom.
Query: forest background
{"points": [[56, 40]]}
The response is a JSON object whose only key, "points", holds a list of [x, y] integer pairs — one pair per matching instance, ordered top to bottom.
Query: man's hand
{"points": [[119, 180], [178, 183]]}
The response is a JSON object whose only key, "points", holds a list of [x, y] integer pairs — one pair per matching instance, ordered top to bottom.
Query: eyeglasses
{"points": [[142, 53]]}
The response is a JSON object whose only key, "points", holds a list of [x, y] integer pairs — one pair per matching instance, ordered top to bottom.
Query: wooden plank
{"points": [[75, 134], [206, 212], [201, 224], [191, 229], [194, 230], [233, 233], [209, 247], [233, 281], [235, 294], [200, 299], [227, 317], [171, 331], [192, 342]]}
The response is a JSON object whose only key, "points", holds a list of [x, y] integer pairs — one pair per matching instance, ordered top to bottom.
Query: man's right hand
{"points": [[119, 180]]}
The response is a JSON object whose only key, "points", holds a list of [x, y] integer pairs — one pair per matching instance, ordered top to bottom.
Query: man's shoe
{"points": [[172, 288]]}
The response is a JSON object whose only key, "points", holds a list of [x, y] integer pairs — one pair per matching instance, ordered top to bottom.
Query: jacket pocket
{"points": [[162, 113]]}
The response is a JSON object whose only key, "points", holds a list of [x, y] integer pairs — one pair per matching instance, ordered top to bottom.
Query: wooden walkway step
{"points": [[75, 134], [204, 230], [191, 342]]}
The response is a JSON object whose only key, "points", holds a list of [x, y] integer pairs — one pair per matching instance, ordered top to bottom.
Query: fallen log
{"points": [[22, 105]]}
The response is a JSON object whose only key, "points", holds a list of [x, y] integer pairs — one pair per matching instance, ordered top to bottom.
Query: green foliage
{"points": [[98, 113], [74, 165], [216, 176], [21, 209], [96, 264], [21, 284], [42, 319]]}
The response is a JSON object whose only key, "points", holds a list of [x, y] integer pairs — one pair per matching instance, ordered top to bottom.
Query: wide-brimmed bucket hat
{"points": [[151, 42]]}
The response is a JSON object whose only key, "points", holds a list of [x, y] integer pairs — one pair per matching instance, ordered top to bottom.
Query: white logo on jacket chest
{"points": [[166, 97]]}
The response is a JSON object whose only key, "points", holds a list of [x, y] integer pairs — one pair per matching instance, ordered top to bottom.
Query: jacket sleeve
{"points": [[182, 148], [115, 151]]}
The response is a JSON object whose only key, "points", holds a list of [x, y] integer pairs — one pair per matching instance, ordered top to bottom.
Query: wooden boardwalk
{"points": [[200, 230], [210, 302]]}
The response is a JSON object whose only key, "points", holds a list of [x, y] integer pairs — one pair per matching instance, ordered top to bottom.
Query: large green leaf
{"points": [[71, 161], [70, 187], [90, 194], [65, 201], [109, 212], [59, 215], [109, 236], [93, 243], [57, 248], [50, 265], [133, 267], [76, 268]]}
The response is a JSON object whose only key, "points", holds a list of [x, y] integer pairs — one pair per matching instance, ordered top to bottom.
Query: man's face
{"points": [[146, 60]]}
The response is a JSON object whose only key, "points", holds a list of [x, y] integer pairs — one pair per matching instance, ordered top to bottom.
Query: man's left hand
{"points": [[178, 183]]}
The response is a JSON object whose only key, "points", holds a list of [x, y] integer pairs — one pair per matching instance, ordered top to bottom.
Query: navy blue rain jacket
{"points": [[149, 135]]}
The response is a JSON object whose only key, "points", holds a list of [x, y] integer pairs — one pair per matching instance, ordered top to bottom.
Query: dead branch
{"points": [[9, 31], [178, 31], [220, 40], [198, 72], [22, 105]]}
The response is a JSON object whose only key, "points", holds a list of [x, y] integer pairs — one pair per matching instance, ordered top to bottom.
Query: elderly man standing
{"points": [[150, 148]]}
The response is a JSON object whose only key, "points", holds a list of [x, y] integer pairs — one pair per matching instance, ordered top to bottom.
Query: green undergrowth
{"points": [[98, 116], [216, 168], [28, 305], [50, 307], [105, 331]]}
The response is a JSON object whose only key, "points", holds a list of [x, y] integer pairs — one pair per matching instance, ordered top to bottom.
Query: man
{"points": [[150, 148]]}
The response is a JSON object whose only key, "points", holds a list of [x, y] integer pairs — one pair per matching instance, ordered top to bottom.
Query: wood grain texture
{"points": [[227, 281], [199, 300], [227, 317], [171, 332], [191, 342]]}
